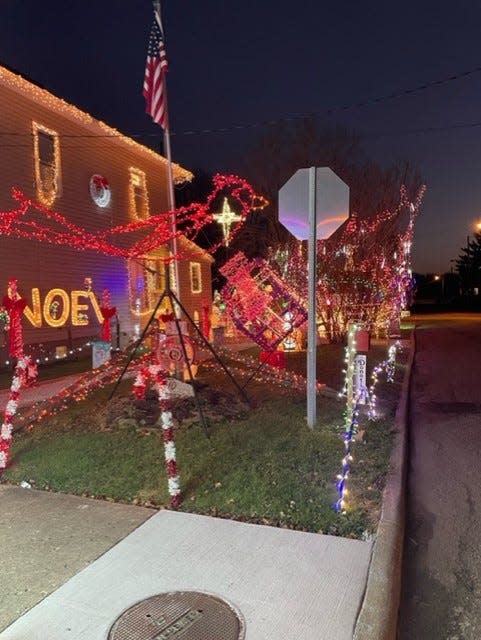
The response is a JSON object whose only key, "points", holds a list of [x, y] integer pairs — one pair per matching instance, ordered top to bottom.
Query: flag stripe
{"points": [[154, 78]]}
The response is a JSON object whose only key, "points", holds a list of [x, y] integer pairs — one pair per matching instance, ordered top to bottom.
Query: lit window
{"points": [[46, 151], [139, 199], [159, 277], [195, 277], [172, 278], [141, 287]]}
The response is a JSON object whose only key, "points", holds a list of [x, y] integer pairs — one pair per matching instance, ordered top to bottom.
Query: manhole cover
{"points": [[189, 615]]}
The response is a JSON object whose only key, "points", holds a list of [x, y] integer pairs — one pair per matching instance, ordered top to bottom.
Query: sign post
{"points": [[313, 203], [311, 301]]}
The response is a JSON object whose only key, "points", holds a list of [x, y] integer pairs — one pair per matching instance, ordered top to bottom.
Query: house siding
{"points": [[86, 148]]}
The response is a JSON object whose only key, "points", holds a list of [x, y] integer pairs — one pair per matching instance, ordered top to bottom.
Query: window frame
{"points": [[137, 174], [46, 193], [195, 266]]}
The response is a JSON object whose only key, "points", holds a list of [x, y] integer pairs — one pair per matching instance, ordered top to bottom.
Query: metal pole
{"points": [[170, 175], [311, 301]]}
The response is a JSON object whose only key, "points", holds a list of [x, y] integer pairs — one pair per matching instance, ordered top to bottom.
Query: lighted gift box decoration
{"points": [[260, 304]]}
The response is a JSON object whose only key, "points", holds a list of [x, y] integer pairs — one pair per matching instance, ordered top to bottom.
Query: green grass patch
{"points": [[266, 467]]}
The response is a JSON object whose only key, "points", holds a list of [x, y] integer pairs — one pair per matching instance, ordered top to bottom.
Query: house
{"points": [[95, 178]]}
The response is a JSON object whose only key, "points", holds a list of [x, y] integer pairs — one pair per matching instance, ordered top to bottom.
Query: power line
{"points": [[289, 118], [440, 129], [373, 134]]}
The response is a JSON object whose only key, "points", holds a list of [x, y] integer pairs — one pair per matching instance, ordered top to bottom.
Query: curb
{"points": [[377, 619]]}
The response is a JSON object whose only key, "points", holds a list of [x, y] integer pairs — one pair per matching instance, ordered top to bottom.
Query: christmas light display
{"points": [[58, 106], [47, 173], [100, 190], [139, 206], [226, 219], [55, 228], [157, 229], [363, 271], [195, 277], [257, 300], [14, 304], [59, 306], [107, 313], [4, 318], [55, 319], [44, 356], [349, 361], [245, 366], [388, 366], [25, 371], [155, 373], [24, 375], [92, 380], [352, 411], [351, 416], [348, 437]]}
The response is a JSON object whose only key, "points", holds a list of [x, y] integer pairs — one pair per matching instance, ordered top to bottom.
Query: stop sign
{"points": [[332, 203]]}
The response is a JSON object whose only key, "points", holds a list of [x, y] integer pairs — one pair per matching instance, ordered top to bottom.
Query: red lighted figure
{"points": [[14, 305], [107, 313]]}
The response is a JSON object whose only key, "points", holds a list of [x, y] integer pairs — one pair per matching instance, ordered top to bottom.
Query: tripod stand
{"points": [[169, 295]]}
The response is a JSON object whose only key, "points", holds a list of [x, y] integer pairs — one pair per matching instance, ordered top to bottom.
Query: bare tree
{"points": [[281, 150]]}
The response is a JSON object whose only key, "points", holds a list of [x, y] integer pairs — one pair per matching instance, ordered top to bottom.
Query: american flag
{"points": [[154, 82]]}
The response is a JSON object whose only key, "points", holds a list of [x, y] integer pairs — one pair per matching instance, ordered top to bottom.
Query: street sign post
{"points": [[313, 203]]}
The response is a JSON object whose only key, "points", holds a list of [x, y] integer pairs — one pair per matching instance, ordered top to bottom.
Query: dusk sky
{"points": [[234, 65]]}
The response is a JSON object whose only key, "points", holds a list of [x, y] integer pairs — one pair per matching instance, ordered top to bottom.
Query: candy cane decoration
{"points": [[25, 371], [157, 374], [24, 375]]}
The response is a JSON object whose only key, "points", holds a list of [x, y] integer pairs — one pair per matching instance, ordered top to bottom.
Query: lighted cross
{"points": [[226, 219]]}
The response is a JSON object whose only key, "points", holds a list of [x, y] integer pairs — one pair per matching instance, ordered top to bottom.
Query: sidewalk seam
{"points": [[377, 619]]}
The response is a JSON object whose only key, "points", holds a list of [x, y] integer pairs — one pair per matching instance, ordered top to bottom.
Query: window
{"points": [[46, 151], [139, 199], [158, 274], [195, 277], [141, 287]]}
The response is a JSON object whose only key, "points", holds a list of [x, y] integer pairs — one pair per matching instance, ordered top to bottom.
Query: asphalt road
{"points": [[441, 592]]}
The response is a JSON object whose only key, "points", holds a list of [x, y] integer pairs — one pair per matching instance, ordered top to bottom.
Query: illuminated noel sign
{"points": [[58, 307]]}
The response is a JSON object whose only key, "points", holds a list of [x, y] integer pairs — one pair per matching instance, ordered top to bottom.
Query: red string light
{"points": [[55, 228], [363, 272]]}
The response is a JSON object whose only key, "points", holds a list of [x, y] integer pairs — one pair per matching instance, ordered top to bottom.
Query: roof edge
{"points": [[18, 83]]}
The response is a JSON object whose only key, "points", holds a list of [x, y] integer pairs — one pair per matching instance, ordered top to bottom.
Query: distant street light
{"points": [[439, 278]]}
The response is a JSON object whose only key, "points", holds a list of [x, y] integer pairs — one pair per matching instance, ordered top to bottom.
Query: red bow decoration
{"points": [[100, 181], [107, 312]]}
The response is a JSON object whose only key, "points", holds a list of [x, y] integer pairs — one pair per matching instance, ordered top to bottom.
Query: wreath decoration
{"points": [[100, 190]]}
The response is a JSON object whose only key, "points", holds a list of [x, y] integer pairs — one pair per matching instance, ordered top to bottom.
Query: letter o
{"points": [[61, 319]]}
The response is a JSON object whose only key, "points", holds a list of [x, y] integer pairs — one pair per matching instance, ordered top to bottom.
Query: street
{"points": [[441, 587]]}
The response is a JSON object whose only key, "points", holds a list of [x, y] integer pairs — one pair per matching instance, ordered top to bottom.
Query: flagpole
{"points": [[170, 175]]}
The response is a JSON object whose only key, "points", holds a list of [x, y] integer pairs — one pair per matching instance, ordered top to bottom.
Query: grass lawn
{"points": [[258, 465]]}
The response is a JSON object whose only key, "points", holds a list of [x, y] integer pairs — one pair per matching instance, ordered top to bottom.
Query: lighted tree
{"points": [[363, 270]]}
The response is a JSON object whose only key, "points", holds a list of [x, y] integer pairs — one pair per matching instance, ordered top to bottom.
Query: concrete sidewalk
{"points": [[46, 538], [286, 584]]}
